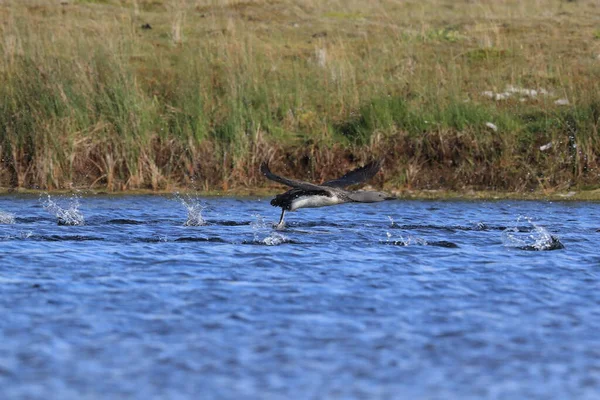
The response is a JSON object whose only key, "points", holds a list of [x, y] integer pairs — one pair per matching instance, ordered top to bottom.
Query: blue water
{"points": [[132, 298]]}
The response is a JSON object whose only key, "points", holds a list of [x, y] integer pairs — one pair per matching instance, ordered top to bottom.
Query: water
{"points": [[66, 214], [401, 299]]}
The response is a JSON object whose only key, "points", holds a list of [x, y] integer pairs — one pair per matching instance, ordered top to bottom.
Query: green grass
{"points": [[89, 99]]}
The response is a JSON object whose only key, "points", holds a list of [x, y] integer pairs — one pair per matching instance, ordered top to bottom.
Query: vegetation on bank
{"points": [[150, 94]]}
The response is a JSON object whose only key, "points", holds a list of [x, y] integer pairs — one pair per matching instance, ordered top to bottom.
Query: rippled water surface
{"points": [[153, 297]]}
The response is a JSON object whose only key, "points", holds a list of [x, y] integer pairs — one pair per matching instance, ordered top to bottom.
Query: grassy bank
{"points": [[149, 94]]}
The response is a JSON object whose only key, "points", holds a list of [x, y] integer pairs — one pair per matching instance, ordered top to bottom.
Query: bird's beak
{"points": [[391, 198]]}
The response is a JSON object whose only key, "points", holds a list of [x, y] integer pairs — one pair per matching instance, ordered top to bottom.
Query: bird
{"points": [[305, 195]]}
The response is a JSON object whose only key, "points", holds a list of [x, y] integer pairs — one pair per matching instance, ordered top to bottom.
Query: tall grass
{"points": [[90, 99]]}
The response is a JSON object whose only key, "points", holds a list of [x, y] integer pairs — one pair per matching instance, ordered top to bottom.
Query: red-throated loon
{"points": [[304, 194]]}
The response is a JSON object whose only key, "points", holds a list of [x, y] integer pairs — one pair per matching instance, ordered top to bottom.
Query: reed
{"points": [[501, 95]]}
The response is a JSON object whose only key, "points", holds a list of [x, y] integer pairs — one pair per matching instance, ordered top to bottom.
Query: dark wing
{"points": [[264, 169], [358, 175]]}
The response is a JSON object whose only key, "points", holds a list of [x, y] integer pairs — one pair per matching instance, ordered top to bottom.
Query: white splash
{"points": [[194, 210], [68, 215], [6, 218], [479, 226], [260, 228], [20, 235], [538, 238], [274, 239], [409, 240]]}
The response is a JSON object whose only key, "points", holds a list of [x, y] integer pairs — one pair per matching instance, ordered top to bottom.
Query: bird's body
{"points": [[308, 195], [298, 198], [314, 201]]}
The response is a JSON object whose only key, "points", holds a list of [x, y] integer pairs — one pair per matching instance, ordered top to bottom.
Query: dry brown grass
{"points": [[88, 98]]}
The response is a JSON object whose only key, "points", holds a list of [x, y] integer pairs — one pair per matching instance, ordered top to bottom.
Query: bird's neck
{"points": [[355, 196]]}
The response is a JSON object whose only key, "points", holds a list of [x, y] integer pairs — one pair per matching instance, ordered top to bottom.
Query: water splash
{"points": [[194, 209], [68, 215], [6, 218], [392, 222], [480, 226], [260, 228], [19, 235], [274, 239], [537, 239], [404, 241], [408, 241]]}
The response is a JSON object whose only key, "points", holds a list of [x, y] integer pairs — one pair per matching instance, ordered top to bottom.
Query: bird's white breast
{"points": [[314, 201]]}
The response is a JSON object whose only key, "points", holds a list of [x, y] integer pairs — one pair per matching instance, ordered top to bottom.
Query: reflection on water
{"points": [[401, 299]]}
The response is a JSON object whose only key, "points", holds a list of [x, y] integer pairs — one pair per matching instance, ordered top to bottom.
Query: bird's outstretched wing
{"points": [[264, 169], [358, 175]]}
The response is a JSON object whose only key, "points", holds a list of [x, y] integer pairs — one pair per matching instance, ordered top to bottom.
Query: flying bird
{"points": [[304, 194]]}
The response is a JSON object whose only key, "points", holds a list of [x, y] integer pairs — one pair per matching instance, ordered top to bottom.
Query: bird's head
{"points": [[371, 197]]}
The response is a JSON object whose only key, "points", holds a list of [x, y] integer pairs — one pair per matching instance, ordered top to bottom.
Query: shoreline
{"points": [[449, 95], [402, 194]]}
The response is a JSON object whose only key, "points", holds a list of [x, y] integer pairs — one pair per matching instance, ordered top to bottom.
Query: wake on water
{"points": [[263, 234], [532, 237], [411, 240]]}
